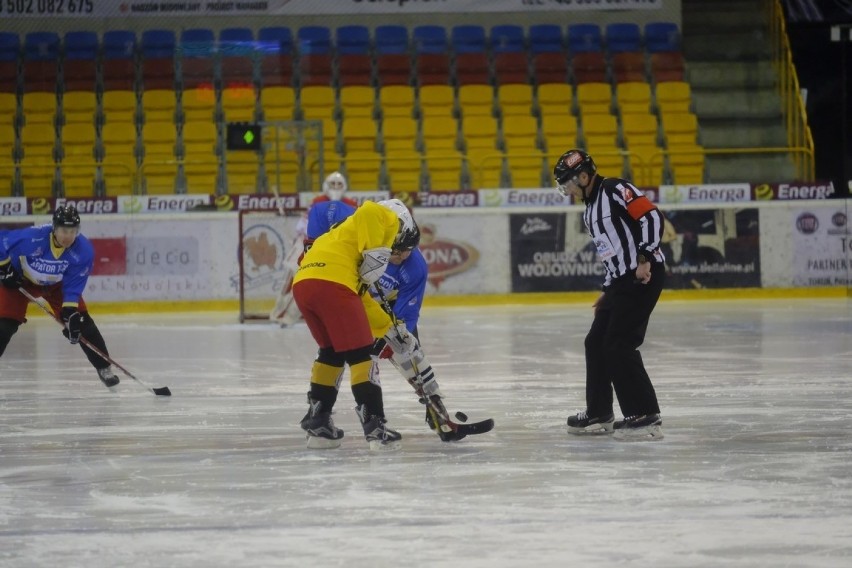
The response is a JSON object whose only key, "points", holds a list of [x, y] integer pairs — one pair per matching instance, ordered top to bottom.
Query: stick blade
{"points": [[161, 391], [476, 428]]}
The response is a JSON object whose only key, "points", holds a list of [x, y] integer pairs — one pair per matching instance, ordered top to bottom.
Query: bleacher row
{"points": [[426, 108]]}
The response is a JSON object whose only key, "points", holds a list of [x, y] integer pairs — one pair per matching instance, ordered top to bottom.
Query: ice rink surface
{"points": [[755, 469]]}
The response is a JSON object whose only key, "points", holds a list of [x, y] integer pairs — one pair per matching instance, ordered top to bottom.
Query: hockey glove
{"points": [[373, 265], [10, 277], [73, 324], [401, 341], [381, 349], [435, 421]]}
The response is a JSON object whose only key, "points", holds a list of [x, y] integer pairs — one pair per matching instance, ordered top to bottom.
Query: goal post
{"points": [[270, 245]]}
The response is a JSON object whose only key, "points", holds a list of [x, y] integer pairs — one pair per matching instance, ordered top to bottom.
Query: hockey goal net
{"points": [[270, 245]]}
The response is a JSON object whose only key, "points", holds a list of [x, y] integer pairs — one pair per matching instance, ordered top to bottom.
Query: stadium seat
{"points": [[623, 37], [661, 37], [469, 38], [507, 38], [546, 38], [583, 38], [352, 39], [391, 39], [430, 39], [313, 40], [119, 44], [275, 45], [10, 51], [236, 52], [41, 54], [158, 59], [197, 62], [79, 65], [628, 66], [667, 66], [511, 67], [549, 67], [589, 67], [118, 68], [472, 68], [315, 69], [354, 69], [394, 69], [432, 69], [673, 96], [633, 97], [555, 98], [594, 98], [515, 99], [396, 100], [436, 100], [476, 100], [357, 101], [317, 102], [277, 103], [198, 104], [239, 104], [159, 105], [119, 106], [79, 107], [39, 108], [9, 116], [640, 129], [679, 129], [600, 130], [481, 132], [559, 133], [358, 134], [399, 134], [520, 134], [440, 135], [159, 140], [8, 145], [608, 158], [118, 161], [200, 163], [686, 163], [645, 164], [37, 165], [78, 168], [486, 168], [363, 169], [444, 170], [404, 171], [526, 171], [241, 172]]}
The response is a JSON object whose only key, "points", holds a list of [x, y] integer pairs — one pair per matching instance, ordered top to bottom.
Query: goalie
{"points": [[325, 210], [330, 290]]}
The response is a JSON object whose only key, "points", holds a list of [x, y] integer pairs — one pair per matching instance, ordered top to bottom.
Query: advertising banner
{"points": [[126, 8], [793, 191], [709, 193], [545, 197], [822, 252]]}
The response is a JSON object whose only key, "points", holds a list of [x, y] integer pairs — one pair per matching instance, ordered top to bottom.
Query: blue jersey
{"points": [[324, 214], [34, 255], [405, 283]]}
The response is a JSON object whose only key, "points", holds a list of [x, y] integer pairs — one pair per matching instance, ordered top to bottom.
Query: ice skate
{"points": [[108, 377], [582, 423], [638, 428], [322, 434], [379, 436]]}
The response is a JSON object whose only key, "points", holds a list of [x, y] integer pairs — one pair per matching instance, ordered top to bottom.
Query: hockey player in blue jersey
{"points": [[54, 262]]}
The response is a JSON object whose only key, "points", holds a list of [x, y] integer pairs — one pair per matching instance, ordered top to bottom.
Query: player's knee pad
{"points": [[329, 356], [417, 368]]}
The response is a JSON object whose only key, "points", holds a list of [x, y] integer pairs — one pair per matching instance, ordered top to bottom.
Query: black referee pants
{"points": [[612, 356]]}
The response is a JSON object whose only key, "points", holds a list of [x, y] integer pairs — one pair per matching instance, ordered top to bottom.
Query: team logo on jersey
{"points": [[627, 193]]}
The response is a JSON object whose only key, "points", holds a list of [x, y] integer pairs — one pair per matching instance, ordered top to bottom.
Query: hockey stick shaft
{"points": [[159, 391]]}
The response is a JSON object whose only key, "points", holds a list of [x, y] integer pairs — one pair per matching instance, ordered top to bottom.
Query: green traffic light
{"points": [[248, 137]]}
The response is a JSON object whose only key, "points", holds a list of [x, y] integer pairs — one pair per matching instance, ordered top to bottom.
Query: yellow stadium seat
{"points": [[673, 96], [555, 98], [594, 98], [633, 98], [515, 99], [396, 100], [476, 100], [317, 101], [357, 101], [436, 101], [277, 103], [238, 104], [159, 105], [196, 105], [119, 106], [39, 107], [79, 107], [8, 108], [679, 128], [639, 129], [600, 130], [480, 132], [559, 132], [520, 133], [358, 134], [399, 134], [440, 134], [159, 139], [38, 141], [608, 158], [78, 161], [200, 163], [687, 163], [118, 165], [646, 165], [486, 167], [241, 170], [362, 170], [404, 170], [444, 170], [525, 171], [37, 176]]}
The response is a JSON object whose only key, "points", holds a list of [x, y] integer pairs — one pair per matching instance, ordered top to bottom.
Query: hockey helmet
{"points": [[569, 166], [334, 186], [66, 216], [409, 233]]}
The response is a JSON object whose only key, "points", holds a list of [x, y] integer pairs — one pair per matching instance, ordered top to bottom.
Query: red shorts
{"points": [[13, 304], [334, 314]]}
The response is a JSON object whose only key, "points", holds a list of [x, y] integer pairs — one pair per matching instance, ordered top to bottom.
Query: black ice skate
{"points": [[108, 377], [582, 423], [642, 427], [322, 434], [379, 436]]}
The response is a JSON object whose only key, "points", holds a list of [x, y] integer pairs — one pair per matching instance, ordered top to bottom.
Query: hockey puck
{"points": [[461, 416]]}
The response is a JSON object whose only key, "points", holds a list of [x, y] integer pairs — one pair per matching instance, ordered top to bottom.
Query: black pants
{"points": [[612, 356]]}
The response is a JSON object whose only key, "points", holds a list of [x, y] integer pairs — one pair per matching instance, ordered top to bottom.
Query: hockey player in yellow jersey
{"points": [[330, 290]]}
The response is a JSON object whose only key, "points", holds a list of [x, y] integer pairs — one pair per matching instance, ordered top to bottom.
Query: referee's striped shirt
{"points": [[623, 223]]}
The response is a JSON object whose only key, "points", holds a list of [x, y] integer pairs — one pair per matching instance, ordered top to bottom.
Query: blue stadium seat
{"points": [[661, 36], [623, 37], [546, 38], [583, 38], [391, 39], [430, 39], [468, 39], [507, 39], [275, 40], [314, 40], [352, 40], [197, 42], [236, 42], [119, 44], [158, 44], [81, 45], [10, 46], [41, 46], [10, 50], [81, 51], [41, 53], [197, 64]]}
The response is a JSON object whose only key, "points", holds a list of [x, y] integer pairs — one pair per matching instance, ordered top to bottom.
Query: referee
{"points": [[626, 229]]}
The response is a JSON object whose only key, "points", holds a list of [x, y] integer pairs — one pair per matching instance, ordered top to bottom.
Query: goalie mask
{"points": [[334, 186], [409, 234]]}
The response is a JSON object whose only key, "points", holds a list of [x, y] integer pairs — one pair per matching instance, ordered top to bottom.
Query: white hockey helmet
{"points": [[334, 186], [409, 233]]}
